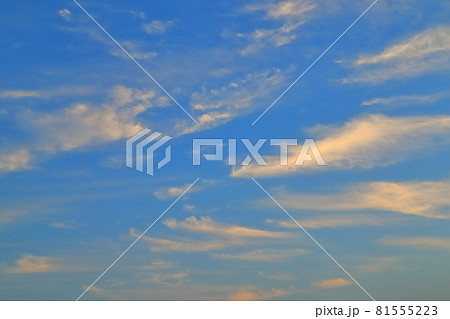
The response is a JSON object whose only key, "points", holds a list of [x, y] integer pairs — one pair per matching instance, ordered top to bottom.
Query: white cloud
{"points": [[293, 13], [65, 14], [157, 26], [135, 51], [425, 52], [17, 94], [240, 96], [405, 100], [83, 124], [365, 142], [15, 161], [174, 191], [426, 199], [339, 220], [207, 225], [417, 242], [166, 245], [264, 255], [29, 264], [380, 264], [332, 283], [253, 293]]}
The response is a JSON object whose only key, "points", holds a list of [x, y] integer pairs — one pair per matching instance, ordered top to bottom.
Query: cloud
{"points": [[293, 13], [65, 14], [157, 26], [135, 51], [427, 51], [18, 94], [46, 94], [240, 96], [405, 100], [208, 120], [82, 124], [365, 142], [15, 161], [173, 191], [426, 199], [337, 220], [207, 225], [417, 242], [166, 245], [264, 255], [29, 264], [380, 264], [166, 278], [332, 283], [253, 293]]}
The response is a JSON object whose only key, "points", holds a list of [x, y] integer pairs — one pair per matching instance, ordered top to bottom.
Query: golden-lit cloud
{"points": [[293, 14], [427, 51], [405, 100], [82, 124], [365, 142], [15, 161], [426, 199], [339, 220], [207, 225], [417, 242], [191, 246], [264, 255], [29, 264], [332, 283], [253, 293]]}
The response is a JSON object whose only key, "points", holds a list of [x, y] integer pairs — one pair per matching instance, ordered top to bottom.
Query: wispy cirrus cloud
{"points": [[293, 13], [157, 26], [427, 51], [18, 94], [240, 96], [405, 100], [82, 124], [369, 141], [15, 160], [426, 199], [339, 220], [207, 225], [441, 243], [191, 246], [264, 255], [29, 264], [332, 283], [254, 293]]}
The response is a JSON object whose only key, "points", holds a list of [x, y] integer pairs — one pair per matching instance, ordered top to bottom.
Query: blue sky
{"points": [[376, 105]]}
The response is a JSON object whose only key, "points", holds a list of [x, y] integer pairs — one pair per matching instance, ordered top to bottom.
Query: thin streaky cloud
{"points": [[427, 51], [137, 63], [313, 63], [405, 100], [366, 142], [422, 198], [207, 225], [313, 239], [136, 240], [439, 243], [332, 283]]}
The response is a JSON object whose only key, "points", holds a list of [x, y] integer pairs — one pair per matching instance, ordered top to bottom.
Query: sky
{"points": [[376, 105]]}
